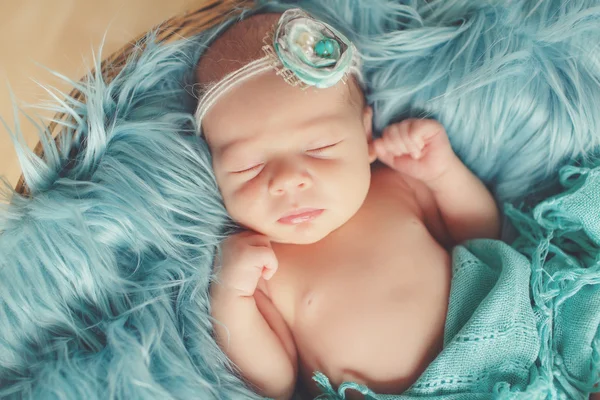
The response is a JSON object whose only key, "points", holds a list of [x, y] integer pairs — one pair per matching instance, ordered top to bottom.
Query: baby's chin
{"points": [[301, 234], [296, 240]]}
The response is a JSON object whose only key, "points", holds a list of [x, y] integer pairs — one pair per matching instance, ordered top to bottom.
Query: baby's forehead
{"points": [[248, 144]]}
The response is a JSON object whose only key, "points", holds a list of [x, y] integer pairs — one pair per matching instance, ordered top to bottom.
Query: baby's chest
{"points": [[390, 268], [368, 302], [371, 311]]}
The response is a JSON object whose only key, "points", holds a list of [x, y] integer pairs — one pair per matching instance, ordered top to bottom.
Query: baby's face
{"points": [[279, 151]]}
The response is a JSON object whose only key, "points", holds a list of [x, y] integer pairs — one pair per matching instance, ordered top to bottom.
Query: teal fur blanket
{"points": [[105, 267]]}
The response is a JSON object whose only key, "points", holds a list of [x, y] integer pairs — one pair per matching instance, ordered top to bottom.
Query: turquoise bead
{"points": [[324, 48]]}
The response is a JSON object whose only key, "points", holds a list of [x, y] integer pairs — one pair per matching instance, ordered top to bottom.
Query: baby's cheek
{"points": [[354, 180], [244, 202]]}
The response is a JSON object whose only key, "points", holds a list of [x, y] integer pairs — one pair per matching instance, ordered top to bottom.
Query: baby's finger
{"points": [[429, 128], [418, 140], [394, 142], [379, 146], [413, 148], [382, 152], [407, 165], [268, 263], [268, 270], [268, 273]]}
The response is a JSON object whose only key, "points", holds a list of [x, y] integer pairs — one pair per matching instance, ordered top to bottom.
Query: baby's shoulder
{"points": [[382, 175], [385, 177], [387, 182], [390, 193], [411, 194]]}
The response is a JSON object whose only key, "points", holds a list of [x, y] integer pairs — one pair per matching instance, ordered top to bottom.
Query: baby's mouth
{"points": [[300, 215]]}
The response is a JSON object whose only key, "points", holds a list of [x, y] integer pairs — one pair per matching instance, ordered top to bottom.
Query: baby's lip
{"points": [[299, 215]]}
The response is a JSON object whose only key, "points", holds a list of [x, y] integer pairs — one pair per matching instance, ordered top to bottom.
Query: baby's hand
{"points": [[416, 147], [246, 257]]}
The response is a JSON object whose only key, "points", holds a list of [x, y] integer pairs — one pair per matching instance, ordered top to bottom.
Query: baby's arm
{"points": [[420, 149], [466, 206], [260, 346]]}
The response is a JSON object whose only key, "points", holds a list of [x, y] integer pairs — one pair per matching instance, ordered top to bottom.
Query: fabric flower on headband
{"points": [[316, 53]]}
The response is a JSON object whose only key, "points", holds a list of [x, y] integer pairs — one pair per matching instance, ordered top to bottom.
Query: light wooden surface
{"points": [[62, 35]]}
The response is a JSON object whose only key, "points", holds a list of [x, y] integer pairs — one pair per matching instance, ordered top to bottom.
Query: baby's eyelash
{"points": [[321, 149], [312, 151], [247, 169]]}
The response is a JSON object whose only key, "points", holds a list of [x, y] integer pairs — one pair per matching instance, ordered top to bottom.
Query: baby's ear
{"points": [[368, 120], [368, 126]]}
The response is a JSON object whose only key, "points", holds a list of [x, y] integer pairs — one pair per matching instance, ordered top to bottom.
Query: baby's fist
{"points": [[416, 147], [245, 258]]}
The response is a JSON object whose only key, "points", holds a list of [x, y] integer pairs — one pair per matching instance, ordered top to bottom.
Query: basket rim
{"points": [[180, 26]]}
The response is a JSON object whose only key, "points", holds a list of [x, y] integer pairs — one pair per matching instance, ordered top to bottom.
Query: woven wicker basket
{"points": [[181, 26]]}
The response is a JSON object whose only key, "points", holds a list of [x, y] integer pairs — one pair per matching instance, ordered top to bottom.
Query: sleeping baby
{"points": [[343, 264]]}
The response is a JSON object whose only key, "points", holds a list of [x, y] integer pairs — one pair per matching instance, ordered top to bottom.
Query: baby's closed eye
{"points": [[324, 148], [320, 150], [251, 168]]}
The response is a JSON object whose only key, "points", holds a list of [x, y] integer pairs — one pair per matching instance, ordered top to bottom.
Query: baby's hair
{"points": [[233, 49]]}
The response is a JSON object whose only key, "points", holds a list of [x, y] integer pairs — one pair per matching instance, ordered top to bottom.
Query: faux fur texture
{"points": [[104, 269]]}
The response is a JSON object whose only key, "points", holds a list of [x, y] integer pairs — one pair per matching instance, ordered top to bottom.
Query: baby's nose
{"points": [[289, 180]]}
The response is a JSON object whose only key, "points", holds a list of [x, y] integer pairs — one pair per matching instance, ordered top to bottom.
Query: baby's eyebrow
{"points": [[228, 151], [231, 151]]}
